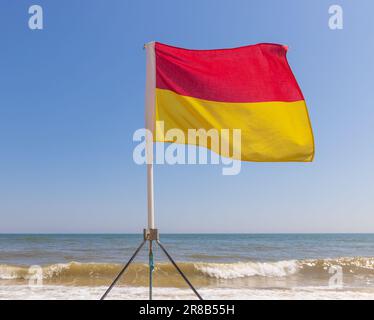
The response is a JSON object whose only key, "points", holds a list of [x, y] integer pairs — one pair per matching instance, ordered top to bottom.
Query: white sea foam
{"points": [[248, 269], [8, 272], [136, 293]]}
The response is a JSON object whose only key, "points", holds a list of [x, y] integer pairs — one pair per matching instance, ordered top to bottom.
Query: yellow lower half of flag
{"points": [[270, 131]]}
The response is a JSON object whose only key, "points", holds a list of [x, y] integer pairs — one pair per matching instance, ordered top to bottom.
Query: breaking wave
{"points": [[201, 273]]}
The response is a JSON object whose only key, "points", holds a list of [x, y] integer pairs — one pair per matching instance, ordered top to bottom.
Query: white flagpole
{"points": [[149, 124], [150, 194], [150, 234]]}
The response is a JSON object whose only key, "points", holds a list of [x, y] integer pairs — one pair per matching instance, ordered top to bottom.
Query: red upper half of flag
{"points": [[255, 73]]}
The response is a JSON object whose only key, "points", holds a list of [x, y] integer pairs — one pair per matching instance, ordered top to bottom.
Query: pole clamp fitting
{"points": [[151, 234]]}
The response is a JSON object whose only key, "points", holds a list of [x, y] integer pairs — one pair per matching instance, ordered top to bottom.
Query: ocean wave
{"points": [[248, 269], [201, 273]]}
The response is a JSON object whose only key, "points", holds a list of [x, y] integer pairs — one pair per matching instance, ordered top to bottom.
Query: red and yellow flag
{"points": [[250, 88]]}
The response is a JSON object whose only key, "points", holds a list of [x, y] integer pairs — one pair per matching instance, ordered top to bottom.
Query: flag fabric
{"points": [[251, 88]]}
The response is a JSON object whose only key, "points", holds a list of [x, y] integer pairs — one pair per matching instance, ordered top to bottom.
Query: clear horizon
{"points": [[191, 233]]}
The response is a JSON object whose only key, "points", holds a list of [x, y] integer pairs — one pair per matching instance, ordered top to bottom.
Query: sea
{"points": [[220, 266]]}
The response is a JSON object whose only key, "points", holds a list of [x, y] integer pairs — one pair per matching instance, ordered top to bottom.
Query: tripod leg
{"points": [[151, 267], [179, 270], [122, 271]]}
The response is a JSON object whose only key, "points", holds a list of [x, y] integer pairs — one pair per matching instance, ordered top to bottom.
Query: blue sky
{"points": [[72, 95]]}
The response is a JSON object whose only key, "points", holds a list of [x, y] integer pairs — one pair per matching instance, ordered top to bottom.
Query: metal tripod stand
{"points": [[150, 235]]}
